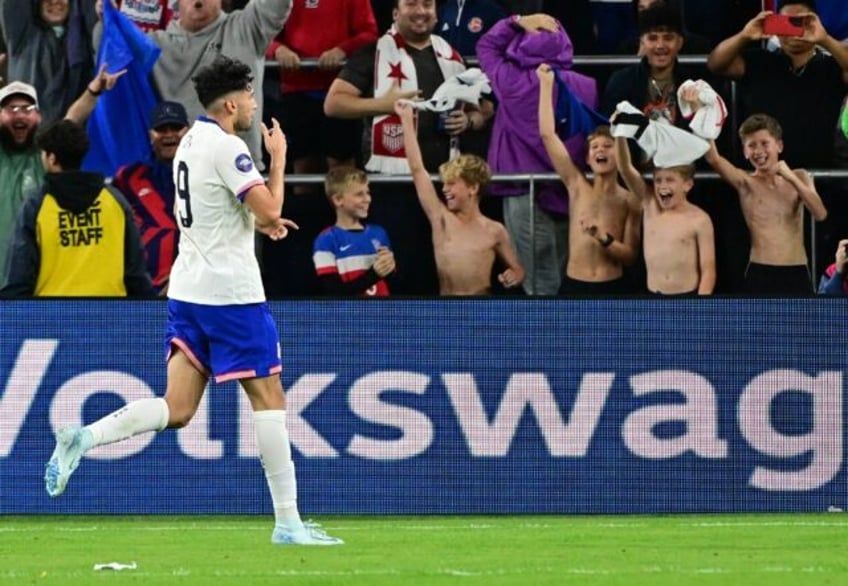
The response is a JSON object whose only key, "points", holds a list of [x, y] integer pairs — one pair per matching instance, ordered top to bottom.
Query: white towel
{"points": [[463, 87], [708, 121], [666, 145]]}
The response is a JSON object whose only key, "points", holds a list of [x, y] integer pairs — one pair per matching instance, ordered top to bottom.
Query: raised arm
{"points": [[815, 33], [492, 46], [726, 58], [345, 100], [84, 105], [561, 160], [727, 170], [631, 176], [806, 188], [427, 196], [266, 200], [706, 255]]}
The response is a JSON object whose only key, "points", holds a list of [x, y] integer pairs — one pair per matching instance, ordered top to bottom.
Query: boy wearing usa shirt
{"points": [[352, 257]]}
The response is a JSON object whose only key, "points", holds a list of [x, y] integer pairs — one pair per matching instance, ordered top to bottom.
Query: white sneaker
{"points": [[71, 444], [305, 534]]}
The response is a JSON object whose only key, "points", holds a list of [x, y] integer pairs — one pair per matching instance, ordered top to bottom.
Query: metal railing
{"points": [[531, 179]]}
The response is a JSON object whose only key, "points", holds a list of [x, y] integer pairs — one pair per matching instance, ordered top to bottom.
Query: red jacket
{"points": [[315, 26]]}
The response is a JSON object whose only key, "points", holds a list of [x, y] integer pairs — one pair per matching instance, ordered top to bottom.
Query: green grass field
{"points": [[772, 550]]}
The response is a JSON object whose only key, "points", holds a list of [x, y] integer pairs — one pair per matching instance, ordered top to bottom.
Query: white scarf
{"points": [[392, 64]]}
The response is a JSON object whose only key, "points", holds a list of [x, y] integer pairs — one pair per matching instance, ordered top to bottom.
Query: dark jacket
{"points": [[76, 238]]}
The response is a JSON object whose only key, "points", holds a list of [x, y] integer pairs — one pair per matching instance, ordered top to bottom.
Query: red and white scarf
{"points": [[392, 64]]}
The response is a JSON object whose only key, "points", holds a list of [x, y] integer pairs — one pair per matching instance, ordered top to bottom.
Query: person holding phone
{"points": [[799, 84]]}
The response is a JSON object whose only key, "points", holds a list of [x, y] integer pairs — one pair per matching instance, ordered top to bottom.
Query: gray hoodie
{"points": [[241, 34]]}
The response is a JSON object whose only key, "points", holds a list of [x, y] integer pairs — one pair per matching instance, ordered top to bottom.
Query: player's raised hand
{"points": [[275, 140], [278, 229]]}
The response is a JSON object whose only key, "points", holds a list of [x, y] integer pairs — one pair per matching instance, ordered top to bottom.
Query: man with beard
{"points": [[21, 171], [149, 188]]}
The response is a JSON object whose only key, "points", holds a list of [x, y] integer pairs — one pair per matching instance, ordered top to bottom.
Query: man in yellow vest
{"points": [[77, 236]]}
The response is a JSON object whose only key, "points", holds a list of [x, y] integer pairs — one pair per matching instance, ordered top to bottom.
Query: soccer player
{"points": [[218, 322]]}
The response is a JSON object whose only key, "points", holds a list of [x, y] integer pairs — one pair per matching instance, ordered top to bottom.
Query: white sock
{"points": [[132, 419], [272, 439]]}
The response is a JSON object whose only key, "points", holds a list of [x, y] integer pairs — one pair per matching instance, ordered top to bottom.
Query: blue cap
{"points": [[168, 113]]}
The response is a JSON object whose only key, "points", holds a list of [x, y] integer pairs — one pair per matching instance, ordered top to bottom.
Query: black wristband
{"points": [[92, 92], [607, 241]]}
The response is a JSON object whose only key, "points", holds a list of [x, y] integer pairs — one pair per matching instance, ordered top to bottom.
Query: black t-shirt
{"points": [[359, 72], [805, 102]]}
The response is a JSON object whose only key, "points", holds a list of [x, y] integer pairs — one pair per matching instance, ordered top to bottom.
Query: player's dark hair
{"points": [[222, 76], [66, 140]]}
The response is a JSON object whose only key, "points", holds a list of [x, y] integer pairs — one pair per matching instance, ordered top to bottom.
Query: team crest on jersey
{"points": [[311, 3], [475, 25], [392, 137], [244, 163]]}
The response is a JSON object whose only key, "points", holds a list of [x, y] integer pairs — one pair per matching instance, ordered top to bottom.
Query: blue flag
{"points": [[573, 116], [118, 127]]}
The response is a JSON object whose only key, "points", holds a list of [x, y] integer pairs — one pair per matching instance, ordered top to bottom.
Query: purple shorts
{"points": [[230, 342]]}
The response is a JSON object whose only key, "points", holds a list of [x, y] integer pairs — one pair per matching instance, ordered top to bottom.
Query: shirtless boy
{"points": [[773, 199], [603, 229], [678, 240], [466, 243]]}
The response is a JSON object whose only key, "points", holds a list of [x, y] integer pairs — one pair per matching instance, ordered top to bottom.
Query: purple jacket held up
{"points": [[509, 56]]}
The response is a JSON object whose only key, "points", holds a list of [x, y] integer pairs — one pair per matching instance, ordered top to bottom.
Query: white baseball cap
{"points": [[18, 88]]}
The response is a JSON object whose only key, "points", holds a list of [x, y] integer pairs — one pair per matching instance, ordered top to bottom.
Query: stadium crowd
{"points": [[337, 73]]}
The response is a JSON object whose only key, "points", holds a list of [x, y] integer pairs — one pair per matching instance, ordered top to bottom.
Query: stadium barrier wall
{"points": [[494, 405]]}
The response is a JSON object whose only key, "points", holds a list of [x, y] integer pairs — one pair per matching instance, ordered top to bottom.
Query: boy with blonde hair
{"points": [[677, 236], [466, 243], [352, 257]]}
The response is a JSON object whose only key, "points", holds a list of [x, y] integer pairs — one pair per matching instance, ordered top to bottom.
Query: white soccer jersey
{"points": [[216, 264]]}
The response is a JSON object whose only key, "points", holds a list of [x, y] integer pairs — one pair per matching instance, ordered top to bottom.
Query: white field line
{"points": [[389, 524], [452, 572]]}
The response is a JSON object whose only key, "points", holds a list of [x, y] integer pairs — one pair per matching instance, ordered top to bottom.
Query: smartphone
{"points": [[783, 25]]}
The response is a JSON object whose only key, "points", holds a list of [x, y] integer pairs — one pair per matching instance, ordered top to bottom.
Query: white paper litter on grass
{"points": [[115, 566]]}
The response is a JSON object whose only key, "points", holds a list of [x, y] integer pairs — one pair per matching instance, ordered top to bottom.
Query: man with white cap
{"points": [[21, 171]]}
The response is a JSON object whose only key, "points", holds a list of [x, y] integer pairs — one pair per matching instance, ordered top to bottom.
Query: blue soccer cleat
{"points": [[71, 444], [302, 534]]}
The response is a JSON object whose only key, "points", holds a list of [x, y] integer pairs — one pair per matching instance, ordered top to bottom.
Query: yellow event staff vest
{"points": [[82, 254]]}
